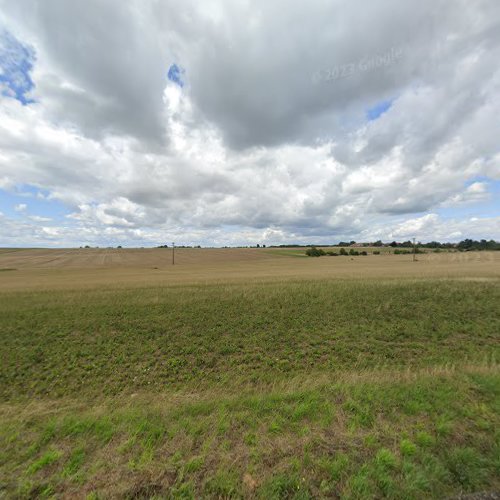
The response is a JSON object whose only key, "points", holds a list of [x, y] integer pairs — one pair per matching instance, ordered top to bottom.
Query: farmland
{"points": [[83, 268], [248, 373]]}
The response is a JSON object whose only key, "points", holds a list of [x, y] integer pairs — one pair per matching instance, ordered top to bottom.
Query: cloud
{"points": [[208, 123], [21, 207], [38, 218]]}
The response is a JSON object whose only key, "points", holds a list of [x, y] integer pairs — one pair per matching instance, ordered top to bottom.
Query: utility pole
{"points": [[414, 251], [173, 253]]}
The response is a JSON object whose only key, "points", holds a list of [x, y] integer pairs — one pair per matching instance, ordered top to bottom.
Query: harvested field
{"points": [[36, 268]]}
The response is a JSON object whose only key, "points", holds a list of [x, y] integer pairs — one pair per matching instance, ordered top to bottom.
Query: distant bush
{"points": [[397, 251], [315, 252], [318, 252]]}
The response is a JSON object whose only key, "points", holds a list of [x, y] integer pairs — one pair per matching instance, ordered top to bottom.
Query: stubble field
{"points": [[248, 373]]}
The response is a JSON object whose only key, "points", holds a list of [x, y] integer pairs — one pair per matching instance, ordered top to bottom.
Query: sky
{"points": [[142, 122]]}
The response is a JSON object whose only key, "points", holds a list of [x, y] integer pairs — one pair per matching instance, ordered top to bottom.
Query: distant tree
{"points": [[432, 244], [469, 244]]}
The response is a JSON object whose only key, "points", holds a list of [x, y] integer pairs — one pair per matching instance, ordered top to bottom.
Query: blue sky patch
{"points": [[16, 64], [175, 75], [377, 110], [478, 178], [36, 202], [484, 208]]}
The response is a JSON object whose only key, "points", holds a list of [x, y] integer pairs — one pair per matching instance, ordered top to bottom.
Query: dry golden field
{"points": [[72, 268]]}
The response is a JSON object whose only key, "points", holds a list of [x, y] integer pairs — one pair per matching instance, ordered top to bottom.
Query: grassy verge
{"points": [[327, 389], [421, 435]]}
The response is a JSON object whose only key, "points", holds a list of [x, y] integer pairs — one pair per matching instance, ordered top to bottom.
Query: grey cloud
{"points": [[115, 63], [249, 72], [259, 144]]}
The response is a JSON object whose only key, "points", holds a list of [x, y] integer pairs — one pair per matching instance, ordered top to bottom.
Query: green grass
{"points": [[287, 252], [109, 341], [271, 390], [328, 450]]}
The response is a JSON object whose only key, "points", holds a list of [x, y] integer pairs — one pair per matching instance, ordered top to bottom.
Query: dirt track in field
{"points": [[72, 268]]}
